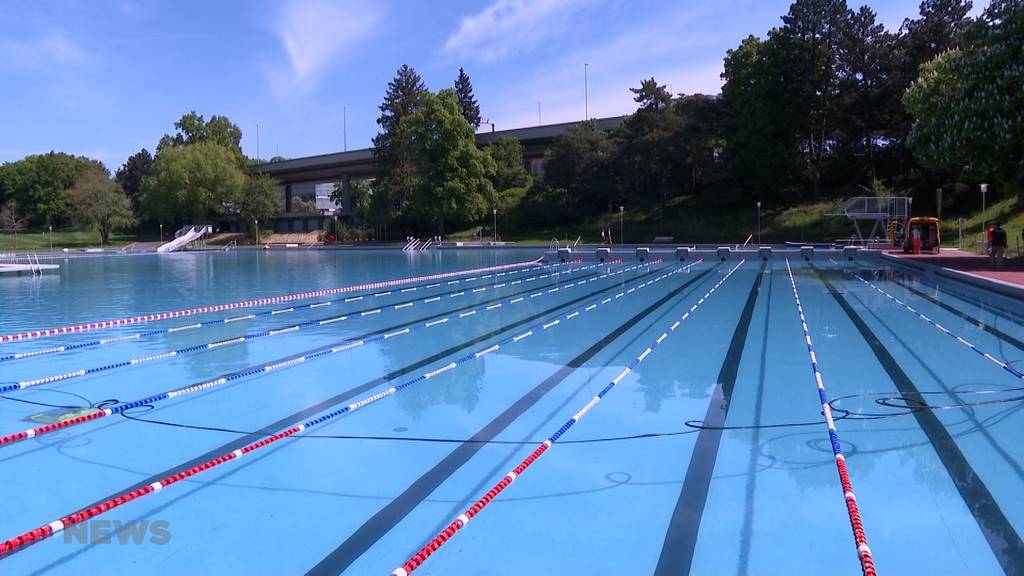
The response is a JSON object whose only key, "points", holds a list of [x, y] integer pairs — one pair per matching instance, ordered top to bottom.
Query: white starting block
{"points": [[723, 252], [765, 252], [807, 252], [850, 252], [564, 253], [643, 253], [682, 253], [603, 254]]}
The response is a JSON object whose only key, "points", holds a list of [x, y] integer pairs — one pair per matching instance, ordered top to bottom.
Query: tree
{"points": [[651, 96], [467, 102], [966, 103], [193, 129], [700, 143], [578, 168], [130, 175], [396, 177], [510, 178], [40, 182], [191, 182], [452, 182], [359, 197], [259, 200], [99, 202], [10, 221]]}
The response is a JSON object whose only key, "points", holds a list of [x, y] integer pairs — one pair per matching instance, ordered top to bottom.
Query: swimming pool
{"points": [[385, 415]]}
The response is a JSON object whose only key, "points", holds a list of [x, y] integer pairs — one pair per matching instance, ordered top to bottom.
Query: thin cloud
{"points": [[507, 24], [314, 33], [54, 49]]}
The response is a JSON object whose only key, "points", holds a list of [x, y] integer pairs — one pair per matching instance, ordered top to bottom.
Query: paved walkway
{"points": [[1012, 271]]}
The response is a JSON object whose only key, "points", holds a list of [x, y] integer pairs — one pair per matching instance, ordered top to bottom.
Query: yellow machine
{"points": [[926, 228]]}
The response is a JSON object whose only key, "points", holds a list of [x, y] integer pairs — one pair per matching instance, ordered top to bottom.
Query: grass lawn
{"points": [[1006, 211], [39, 240]]}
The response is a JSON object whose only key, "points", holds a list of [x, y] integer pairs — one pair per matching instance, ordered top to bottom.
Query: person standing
{"points": [[603, 237], [915, 239], [999, 243]]}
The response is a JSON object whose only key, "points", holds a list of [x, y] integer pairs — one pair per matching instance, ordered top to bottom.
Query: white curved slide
{"points": [[184, 236]]}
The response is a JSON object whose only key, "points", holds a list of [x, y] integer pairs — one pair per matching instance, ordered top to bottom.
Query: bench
{"points": [[664, 239]]}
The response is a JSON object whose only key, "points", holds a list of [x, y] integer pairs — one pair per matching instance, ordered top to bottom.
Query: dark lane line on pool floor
{"points": [[329, 403], [395, 511], [684, 525], [1000, 534]]}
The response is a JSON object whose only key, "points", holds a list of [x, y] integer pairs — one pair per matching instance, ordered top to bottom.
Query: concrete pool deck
{"points": [[970, 268]]}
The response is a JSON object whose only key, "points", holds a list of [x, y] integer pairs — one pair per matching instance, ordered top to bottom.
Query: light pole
{"points": [[586, 95], [538, 114], [344, 127], [495, 212], [622, 212], [759, 223], [256, 224], [984, 224], [50, 228], [161, 233]]}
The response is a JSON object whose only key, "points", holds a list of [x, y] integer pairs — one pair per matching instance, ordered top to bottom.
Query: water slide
{"points": [[184, 236]]}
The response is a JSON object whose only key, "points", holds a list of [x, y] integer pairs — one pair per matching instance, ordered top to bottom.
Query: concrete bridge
{"points": [[314, 177]]}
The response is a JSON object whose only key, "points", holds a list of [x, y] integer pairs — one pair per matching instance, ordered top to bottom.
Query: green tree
{"points": [[651, 96], [467, 102], [967, 103], [193, 129], [701, 144], [647, 159], [578, 169], [130, 175], [396, 175], [510, 178], [191, 182], [40, 183], [452, 184], [259, 199], [99, 202], [11, 220]]}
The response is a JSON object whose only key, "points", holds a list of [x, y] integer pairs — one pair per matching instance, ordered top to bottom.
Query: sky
{"points": [[106, 78]]}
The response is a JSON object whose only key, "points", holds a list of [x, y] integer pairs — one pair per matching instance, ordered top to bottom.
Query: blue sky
{"points": [[104, 79]]}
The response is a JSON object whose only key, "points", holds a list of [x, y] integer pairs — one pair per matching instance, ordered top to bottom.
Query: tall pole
{"points": [[586, 93], [538, 114], [344, 126], [257, 141], [622, 211], [759, 223], [984, 224], [256, 225], [495, 225], [161, 233], [51, 237]]}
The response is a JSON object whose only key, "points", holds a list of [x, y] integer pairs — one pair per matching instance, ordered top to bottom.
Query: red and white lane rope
{"points": [[154, 316], [317, 353], [1017, 373], [463, 519], [19, 542], [867, 563]]}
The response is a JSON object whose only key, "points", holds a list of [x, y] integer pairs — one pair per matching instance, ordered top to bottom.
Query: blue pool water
{"points": [[711, 457]]}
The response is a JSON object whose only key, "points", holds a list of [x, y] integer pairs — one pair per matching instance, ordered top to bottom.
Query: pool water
{"points": [[710, 457]]}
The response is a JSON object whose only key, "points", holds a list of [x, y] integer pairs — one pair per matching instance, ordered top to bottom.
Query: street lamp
{"points": [[586, 93], [622, 210], [495, 212], [758, 222], [984, 224], [257, 226], [50, 228], [161, 233]]}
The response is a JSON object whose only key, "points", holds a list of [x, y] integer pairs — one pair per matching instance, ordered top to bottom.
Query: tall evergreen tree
{"points": [[467, 102], [130, 175], [396, 177]]}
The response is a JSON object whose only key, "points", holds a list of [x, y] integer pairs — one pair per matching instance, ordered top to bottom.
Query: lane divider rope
{"points": [[275, 312], [154, 316], [270, 332], [316, 353], [1016, 373], [463, 519], [19, 542], [867, 562]]}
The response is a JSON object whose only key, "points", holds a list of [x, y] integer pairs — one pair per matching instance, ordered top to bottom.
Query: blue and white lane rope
{"points": [[278, 311], [155, 316], [206, 346], [317, 353], [1016, 373], [463, 519], [19, 542], [867, 563]]}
